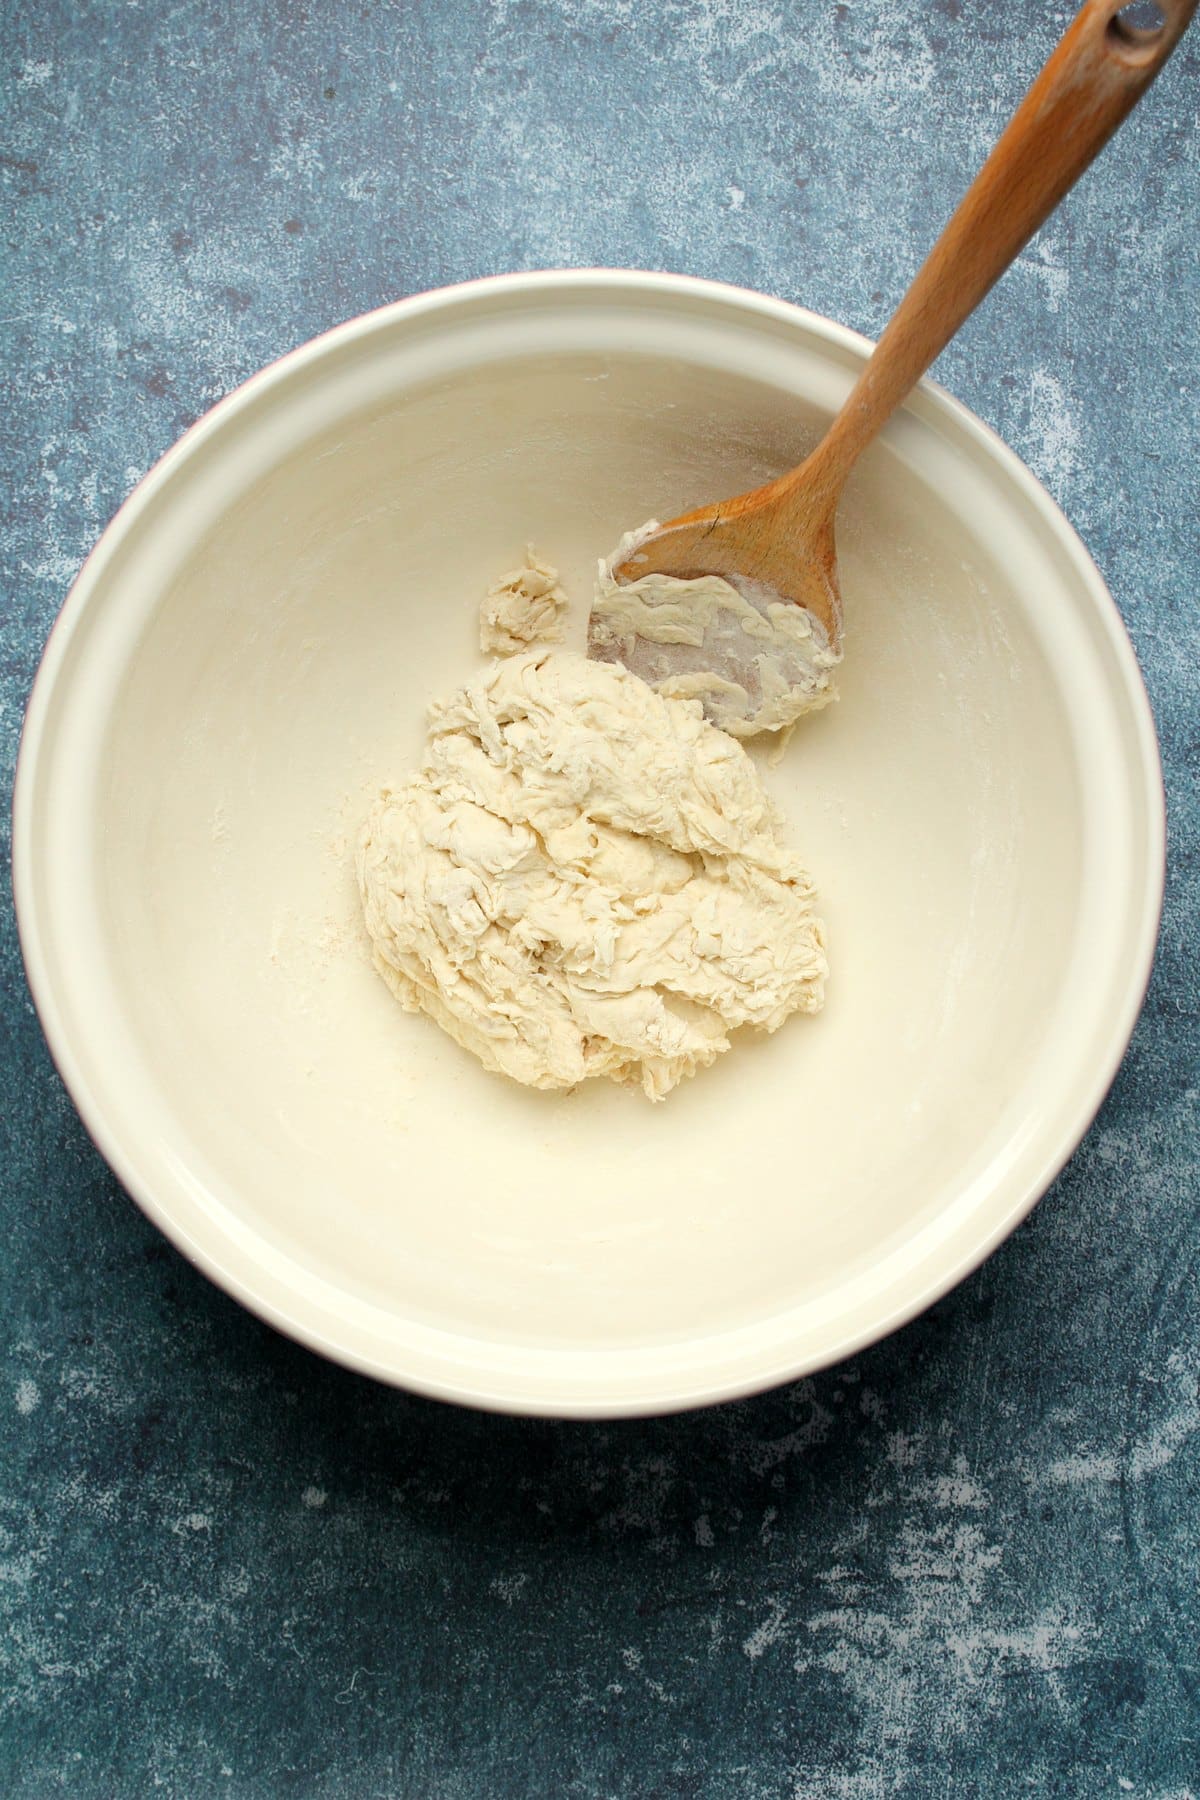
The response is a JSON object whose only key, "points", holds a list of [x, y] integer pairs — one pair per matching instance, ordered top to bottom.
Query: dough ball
{"points": [[587, 879]]}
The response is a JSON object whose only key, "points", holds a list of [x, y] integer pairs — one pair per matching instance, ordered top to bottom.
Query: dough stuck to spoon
{"points": [[755, 662]]}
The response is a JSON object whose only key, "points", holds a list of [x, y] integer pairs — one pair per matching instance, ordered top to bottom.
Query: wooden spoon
{"points": [[776, 543]]}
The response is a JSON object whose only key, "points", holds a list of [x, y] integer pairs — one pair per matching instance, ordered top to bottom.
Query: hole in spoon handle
{"points": [[1140, 22], [1142, 33]]}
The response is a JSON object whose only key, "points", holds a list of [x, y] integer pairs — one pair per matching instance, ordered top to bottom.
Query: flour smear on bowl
{"points": [[584, 877]]}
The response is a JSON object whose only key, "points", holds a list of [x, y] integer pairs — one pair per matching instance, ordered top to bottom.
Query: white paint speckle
{"points": [[35, 74], [736, 197], [1043, 262], [1053, 432], [28, 1396], [1159, 1446], [901, 1450], [1151, 1451], [772, 1453], [1082, 1470], [957, 1490], [314, 1498], [769, 1632]]}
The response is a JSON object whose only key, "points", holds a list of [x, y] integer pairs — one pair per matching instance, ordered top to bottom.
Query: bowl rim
{"points": [[672, 1391]]}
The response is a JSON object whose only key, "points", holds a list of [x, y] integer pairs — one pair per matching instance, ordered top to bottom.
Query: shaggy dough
{"points": [[523, 608], [754, 661], [586, 878]]}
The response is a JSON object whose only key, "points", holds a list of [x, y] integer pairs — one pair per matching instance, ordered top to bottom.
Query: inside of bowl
{"points": [[308, 611]]}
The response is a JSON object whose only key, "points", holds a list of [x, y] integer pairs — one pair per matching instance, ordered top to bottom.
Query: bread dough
{"points": [[523, 608], [755, 661], [585, 878]]}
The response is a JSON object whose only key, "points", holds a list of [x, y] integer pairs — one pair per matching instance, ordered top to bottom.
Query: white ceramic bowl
{"points": [[250, 649]]}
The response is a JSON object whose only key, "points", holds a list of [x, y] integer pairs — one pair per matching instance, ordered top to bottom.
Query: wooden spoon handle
{"points": [[1101, 68]]}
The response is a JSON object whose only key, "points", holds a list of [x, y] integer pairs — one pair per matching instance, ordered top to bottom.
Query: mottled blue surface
{"points": [[965, 1563]]}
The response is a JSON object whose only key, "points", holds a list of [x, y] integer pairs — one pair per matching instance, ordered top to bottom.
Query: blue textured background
{"points": [[965, 1563]]}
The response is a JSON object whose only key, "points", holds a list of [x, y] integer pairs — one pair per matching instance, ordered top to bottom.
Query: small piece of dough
{"points": [[523, 608], [585, 878]]}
